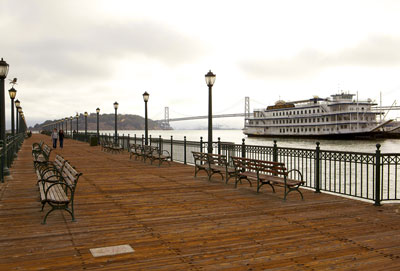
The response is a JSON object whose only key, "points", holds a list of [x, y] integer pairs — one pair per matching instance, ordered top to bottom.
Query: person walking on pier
{"points": [[54, 137], [61, 138]]}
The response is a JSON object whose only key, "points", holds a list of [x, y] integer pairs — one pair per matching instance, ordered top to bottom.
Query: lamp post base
{"points": [[6, 171]]}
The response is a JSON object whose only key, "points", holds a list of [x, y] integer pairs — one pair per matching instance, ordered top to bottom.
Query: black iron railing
{"points": [[8, 154], [370, 176]]}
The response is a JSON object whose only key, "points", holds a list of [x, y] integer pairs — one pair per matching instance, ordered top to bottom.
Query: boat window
{"points": [[313, 111], [327, 119], [301, 120]]}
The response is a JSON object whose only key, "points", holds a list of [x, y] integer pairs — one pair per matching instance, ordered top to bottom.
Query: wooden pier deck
{"points": [[176, 222]]}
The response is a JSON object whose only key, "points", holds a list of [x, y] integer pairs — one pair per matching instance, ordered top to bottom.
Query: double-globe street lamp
{"points": [[3, 75], [210, 80], [12, 92], [17, 105], [85, 114], [71, 118], [20, 119], [77, 124], [146, 128], [98, 130], [116, 131]]}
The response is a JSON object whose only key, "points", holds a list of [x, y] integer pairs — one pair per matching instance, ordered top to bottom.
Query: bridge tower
{"points": [[246, 109], [166, 115], [165, 123]]}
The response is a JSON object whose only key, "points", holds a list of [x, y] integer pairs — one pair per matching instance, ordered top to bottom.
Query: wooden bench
{"points": [[37, 147], [110, 147], [135, 150], [160, 155], [41, 156], [200, 162], [213, 164], [218, 164], [50, 170], [267, 172], [59, 192]]}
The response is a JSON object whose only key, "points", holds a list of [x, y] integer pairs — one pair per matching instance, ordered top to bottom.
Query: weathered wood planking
{"points": [[176, 222]]}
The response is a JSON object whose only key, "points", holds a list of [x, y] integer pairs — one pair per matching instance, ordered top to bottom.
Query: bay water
{"points": [[236, 136]]}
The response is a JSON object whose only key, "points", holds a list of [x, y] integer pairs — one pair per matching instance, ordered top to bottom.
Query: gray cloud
{"points": [[52, 42], [377, 51]]}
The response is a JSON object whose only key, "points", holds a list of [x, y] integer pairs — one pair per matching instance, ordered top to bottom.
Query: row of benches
{"points": [[108, 146], [149, 153], [260, 171], [56, 181]]}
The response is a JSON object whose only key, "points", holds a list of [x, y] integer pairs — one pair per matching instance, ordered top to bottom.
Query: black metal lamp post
{"points": [[3, 75], [210, 79], [13, 92], [17, 105], [85, 114], [70, 118], [19, 119], [77, 123], [98, 128], [146, 128], [116, 131]]}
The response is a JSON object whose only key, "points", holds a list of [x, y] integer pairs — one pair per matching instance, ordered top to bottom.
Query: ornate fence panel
{"points": [[390, 176]]}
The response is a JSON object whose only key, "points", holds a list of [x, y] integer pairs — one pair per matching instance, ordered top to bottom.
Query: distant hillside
{"points": [[107, 122]]}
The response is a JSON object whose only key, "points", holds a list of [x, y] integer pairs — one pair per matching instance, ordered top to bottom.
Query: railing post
{"points": [[135, 138], [142, 140], [149, 140], [128, 142], [160, 143], [172, 144], [201, 144], [219, 146], [243, 149], [184, 150], [275, 152], [317, 169], [378, 175]]}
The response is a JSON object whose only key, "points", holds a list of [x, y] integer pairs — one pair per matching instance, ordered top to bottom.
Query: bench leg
{"points": [[222, 175], [262, 183], [293, 189], [43, 204], [45, 217]]}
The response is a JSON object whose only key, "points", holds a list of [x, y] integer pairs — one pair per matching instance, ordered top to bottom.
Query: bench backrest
{"points": [[37, 146], [135, 148], [149, 149], [200, 157], [216, 159], [59, 162], [259, 166], [70, 175]]}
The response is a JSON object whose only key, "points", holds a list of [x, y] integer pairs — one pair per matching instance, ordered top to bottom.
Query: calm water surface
{"points": [[236, 136]]}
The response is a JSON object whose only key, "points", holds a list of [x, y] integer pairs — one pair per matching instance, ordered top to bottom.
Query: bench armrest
{"points": [[296, 170]]}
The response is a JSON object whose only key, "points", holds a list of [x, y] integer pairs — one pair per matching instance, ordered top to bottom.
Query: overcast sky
{"points": [[74, 56]]}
